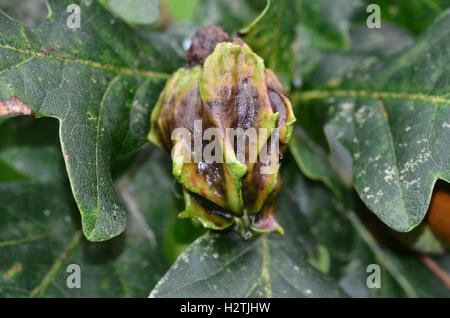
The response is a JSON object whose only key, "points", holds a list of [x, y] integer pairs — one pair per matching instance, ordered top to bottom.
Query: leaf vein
{"points": [[112, 68]]}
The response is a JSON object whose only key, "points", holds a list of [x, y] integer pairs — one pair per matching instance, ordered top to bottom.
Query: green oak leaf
{"points": [[229, 14], [325, 23], [287, 28], [272, 36], [319, 67], [100, 82], [394, 119], [314, 146], [315, 162], [320, 208], [38, 221], [337, 225], [224, 265]]}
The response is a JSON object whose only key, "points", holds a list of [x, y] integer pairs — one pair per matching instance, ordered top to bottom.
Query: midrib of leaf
{"points": [[121, 70], [143, 84], [324, 94], [380, 96], [394, 154], [32, 238], [56, 266], [265, 266], [222, 268], [265, 271]]}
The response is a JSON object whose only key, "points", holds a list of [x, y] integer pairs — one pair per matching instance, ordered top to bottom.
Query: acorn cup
{"points": [[225, 121]]}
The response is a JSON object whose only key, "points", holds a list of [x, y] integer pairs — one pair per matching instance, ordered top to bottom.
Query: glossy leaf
{"points": [[229, 14], [286, 25], [272, 36], [99, 81], [402, 102], [316, 146], [315, 162], [347, 233], [40, 234], [224, 265]]}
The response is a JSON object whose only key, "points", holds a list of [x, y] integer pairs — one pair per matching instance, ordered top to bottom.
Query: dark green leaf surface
{"points": [[229, 14], [415, 15], [324, 23], [288, 25], [272, 36], [171, 44], [325, 68], [100, 82], [396, 117], [410, 122], [316, 147], [315, 162], [329, 228], [40, 236], [344, 243], [351, 247], [348, 253], [224, 265], [398, 265]]}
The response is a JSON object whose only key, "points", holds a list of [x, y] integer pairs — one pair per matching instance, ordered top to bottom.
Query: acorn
{"points": [[226, 121], [438, 216]]}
